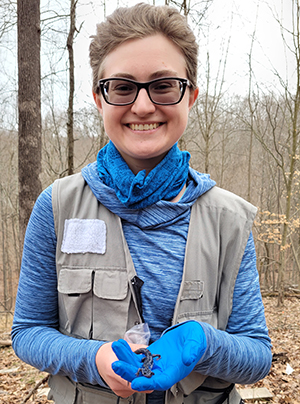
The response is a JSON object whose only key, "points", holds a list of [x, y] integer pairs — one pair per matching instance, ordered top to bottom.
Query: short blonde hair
{"points": [[140, 21]]}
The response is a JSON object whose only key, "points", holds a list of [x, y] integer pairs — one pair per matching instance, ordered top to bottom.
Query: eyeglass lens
{"points": [[162, 91]]}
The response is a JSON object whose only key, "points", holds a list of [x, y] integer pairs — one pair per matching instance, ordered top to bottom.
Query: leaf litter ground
{"points": [[17, 379]]}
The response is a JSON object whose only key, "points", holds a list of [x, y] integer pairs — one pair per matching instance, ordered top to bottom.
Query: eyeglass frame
{"points": [[184, 82]]}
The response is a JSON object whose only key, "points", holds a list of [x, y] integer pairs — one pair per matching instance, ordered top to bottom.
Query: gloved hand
{"points": [[180, 349]]}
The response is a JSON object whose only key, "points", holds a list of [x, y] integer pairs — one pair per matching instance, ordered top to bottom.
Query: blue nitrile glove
{"points": [[180, 348]]}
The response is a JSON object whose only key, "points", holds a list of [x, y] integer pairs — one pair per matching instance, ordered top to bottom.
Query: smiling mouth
{"points": [[147, 126]]}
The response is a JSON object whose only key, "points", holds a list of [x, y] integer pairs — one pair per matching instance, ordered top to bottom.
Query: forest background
{"points": [[243, 130]]}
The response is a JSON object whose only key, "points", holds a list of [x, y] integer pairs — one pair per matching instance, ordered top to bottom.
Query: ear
{"points": [[193, 96], [98, 102]]}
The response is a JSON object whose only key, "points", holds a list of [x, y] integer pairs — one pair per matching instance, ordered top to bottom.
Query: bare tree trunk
{"points": [[29, 34], [70, 123], [16, 244]]}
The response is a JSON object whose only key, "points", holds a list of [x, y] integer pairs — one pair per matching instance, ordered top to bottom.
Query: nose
{"points": [[143, 105]]}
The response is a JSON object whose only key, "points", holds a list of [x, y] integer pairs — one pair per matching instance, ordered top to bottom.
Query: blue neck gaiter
{"points": [[139, 191]]}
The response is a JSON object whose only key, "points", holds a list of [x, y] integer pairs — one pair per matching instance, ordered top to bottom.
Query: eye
{"points": [[164, 86], [122, 88]]}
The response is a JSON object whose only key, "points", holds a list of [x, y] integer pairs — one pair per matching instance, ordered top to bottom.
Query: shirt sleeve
{"points": [[35, 336], [242, 353]]}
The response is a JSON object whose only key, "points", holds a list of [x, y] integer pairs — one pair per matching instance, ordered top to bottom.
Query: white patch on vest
{"points": [[84, 236]]}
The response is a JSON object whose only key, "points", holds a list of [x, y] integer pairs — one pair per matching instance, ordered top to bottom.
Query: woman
{"points": [[140, 237]]}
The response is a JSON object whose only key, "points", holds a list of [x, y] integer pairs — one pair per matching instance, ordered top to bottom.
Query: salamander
{"points": [[146, 369]]}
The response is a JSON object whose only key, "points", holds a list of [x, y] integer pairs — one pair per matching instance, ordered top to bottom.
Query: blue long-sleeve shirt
{"points": [[156, 238]]}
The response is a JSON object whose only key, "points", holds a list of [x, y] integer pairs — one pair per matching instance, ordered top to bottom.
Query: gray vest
{"points": [[96, 296]]}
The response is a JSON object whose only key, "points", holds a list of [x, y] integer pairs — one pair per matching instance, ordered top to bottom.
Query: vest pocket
{"points": [[111, 283], [192, 290], [94, 303], [75, 305], [111, 305], [194, 306]]}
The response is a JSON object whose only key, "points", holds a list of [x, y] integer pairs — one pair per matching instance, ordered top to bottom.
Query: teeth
{"points": [[144, 127]]}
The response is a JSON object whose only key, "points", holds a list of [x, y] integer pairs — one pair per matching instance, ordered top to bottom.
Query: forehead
{"points": [[144, 59]]}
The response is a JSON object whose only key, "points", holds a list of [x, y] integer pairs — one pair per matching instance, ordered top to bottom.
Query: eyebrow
{"points": [[158, 74]]}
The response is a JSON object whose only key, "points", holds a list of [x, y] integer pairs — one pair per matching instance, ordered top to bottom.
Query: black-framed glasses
{"points": [[163, 91]]}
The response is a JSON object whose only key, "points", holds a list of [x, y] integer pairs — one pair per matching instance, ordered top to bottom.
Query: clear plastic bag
{"points": [[139, 334]]}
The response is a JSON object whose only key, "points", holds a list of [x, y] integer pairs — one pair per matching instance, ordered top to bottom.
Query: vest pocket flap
{"points": [[75, 281], [111, 283], [192, 290]]}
